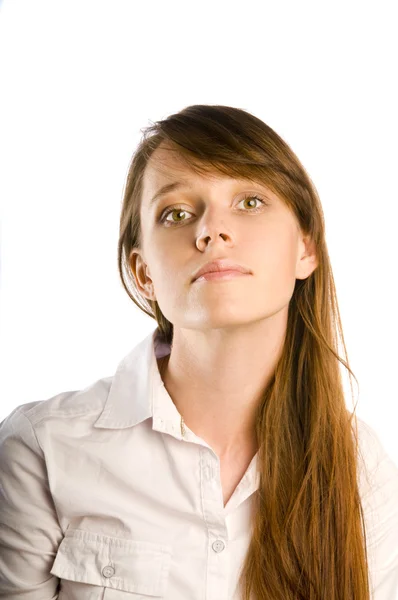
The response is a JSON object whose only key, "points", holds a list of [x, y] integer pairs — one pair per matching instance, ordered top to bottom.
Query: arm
{"points": [[380, 503], [29, 529], [384, 535]]}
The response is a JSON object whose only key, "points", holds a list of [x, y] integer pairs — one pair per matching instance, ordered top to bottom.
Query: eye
{"points": [[180, 210]]}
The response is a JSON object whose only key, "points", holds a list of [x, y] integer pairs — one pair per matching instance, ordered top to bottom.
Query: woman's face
{"points": [[219, 220]]}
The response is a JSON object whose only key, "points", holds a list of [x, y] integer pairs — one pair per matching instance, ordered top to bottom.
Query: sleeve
{"points": [[380, 505], [29, 529]]}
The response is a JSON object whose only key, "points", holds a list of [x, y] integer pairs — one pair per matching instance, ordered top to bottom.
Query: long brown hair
{"points": [[308, 529]]}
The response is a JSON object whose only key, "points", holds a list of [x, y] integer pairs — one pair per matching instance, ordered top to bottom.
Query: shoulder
{"points": [[64, 408], [374, 463]]}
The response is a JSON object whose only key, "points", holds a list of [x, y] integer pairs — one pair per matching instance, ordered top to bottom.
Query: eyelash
{"points": [[172, 209]]}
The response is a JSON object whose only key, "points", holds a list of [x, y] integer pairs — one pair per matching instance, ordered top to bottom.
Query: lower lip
{"points": [[220, 275]]}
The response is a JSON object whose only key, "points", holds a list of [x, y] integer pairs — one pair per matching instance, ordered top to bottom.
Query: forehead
{"points": [[167, 163], [166, 166]]}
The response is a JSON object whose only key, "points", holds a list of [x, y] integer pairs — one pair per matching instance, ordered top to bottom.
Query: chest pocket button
{"points": [[108, 571]]}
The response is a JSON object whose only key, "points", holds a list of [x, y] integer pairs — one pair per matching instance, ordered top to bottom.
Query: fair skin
{"points": [[228, 336]]}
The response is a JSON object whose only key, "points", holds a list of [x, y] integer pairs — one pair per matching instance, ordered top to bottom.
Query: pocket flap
{"points": [[123, 564]]}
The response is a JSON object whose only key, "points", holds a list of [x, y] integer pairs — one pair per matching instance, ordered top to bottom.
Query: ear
{"points": [[307, 259], [140, 271]]}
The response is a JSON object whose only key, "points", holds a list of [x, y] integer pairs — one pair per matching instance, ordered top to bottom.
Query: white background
{"points": [[80, 79]]}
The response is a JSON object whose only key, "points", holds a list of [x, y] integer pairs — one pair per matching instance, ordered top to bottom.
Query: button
{"points": [[218, 546], [108, 571]]}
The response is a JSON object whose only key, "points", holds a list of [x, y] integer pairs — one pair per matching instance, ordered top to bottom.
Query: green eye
{"points": [[182, 210]]}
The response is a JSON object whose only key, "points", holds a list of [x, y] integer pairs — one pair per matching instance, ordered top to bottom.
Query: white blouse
{"points": [[101, 498]]}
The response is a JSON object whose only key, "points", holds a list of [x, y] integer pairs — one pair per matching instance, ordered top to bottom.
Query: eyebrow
{"points": [[170, 187]]}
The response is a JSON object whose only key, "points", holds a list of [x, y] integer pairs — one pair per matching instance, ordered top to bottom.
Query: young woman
{"points": [[220, 462]]}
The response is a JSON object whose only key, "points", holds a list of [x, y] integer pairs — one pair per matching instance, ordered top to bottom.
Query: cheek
{"points": [[275, 247], [275, 262], [168, 270]]}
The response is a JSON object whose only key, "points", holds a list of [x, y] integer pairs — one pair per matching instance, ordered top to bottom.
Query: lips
{"points": [[219, 266]]}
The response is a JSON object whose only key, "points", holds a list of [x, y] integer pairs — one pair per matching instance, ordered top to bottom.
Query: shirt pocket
{"points": [[94, 566]]}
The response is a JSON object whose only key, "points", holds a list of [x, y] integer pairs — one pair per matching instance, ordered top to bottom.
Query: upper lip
{"points": [[220, 265]]}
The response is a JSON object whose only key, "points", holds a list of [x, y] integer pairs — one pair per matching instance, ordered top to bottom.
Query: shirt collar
{"points": [[137, 390]]}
